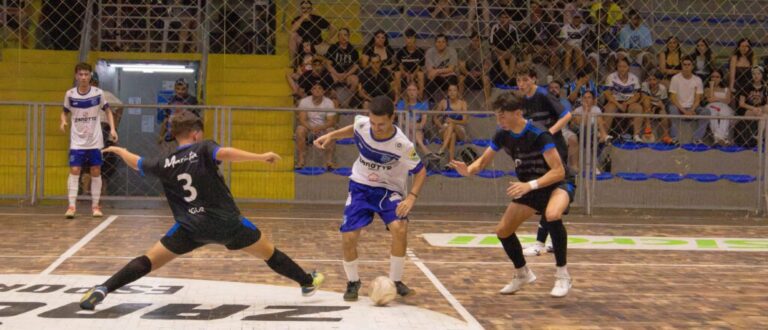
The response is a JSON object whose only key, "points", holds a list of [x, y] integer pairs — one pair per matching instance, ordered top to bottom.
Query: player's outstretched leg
{"points": [[558, 202], [284, 265]]}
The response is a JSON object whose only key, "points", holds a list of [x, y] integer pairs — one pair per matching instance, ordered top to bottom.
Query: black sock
{"points": [[541, 235], [559, 241], [514, 250], [284, 265], [134, 270]]}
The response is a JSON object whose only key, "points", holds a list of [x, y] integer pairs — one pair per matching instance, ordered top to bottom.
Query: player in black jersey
{"points": [[543, 187], [203, 208]]}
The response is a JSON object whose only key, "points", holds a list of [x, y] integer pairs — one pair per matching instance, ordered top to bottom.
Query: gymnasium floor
{"points": [[622, 281]]}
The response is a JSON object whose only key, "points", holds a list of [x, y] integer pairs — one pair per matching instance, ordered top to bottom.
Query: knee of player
{"points": [[552, 215], [399, 229]]}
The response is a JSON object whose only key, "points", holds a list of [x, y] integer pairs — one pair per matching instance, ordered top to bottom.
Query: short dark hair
{"points": [[305, 2], [410, 32], [474, 34], [441, 35], [687, 58], [83, 66], [526, 69], [583, 72], [656, 74], [558, 82], [508, 102], [382, 105], [185, 122]]}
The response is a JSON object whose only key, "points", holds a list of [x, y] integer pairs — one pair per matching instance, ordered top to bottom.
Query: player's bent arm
{"points": [[560, 123], [342, 133], [237, 155], [482, 162], [556, 171], [418, 181]]}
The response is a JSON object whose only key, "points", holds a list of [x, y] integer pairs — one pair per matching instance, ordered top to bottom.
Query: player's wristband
{"points": [[534, 184], [414, 194]]}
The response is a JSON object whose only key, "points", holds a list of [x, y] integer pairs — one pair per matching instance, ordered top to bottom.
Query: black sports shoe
{"points": [[352, 289], [402, 289], [93, 297]]}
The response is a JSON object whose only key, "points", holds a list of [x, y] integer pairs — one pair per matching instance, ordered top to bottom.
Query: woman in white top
{"points": [[718, 99], [572, 131]]}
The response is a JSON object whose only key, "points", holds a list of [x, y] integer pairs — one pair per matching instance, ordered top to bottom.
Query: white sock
{"points": [[72, 184], [95, 190], [540, 244], [396, 265], [351, 269], [523, 271], [562, 271]]}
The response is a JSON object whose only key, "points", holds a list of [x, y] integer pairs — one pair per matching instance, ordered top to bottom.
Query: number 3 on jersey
{"points": [[187, 186]]}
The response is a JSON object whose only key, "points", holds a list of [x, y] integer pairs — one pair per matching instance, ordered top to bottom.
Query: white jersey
{"points": [[574, 36], [622, 90], [85, 130], [385, 163]]}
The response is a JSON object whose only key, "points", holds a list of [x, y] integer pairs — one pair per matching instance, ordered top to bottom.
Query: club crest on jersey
{"points": [[413, 155], [173, 161], [518, 162]]}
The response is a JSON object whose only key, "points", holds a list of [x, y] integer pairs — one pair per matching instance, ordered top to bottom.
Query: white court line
{"points": [[437, 220], [74, 248], [471, 321]]}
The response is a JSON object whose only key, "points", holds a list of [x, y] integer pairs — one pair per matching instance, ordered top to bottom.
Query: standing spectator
{"points": [[308, 27], [573, 35], [636, 38], [504, 40], [378, 45], [670, 60], [703, 60], [342, 61], [410, 61], [441, 61], [474, 61], [740, 67], [318, 75], [375, 80], [583, 83], [622, 94], [181, 96], [685, 96], [718, 99], [655, 100], [411, 103], [752, 103], [83, 104], [314, 124], [452, 124]]}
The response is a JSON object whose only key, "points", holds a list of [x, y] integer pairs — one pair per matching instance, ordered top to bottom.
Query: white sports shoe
{"points": [[550, 248], [534, 250], [518, 283], [562, 286]]}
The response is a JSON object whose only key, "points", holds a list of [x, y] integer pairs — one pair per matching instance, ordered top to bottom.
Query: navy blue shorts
{"points": [[85, 157], [539, 199], [363, 201], [179, 240]]}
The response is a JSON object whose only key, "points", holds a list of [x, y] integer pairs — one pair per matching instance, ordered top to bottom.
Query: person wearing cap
{"points": [[410, 64], [686, 92], [181, 96]]}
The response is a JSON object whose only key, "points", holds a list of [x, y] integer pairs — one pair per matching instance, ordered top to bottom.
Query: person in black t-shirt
{"points": [[308, 27], [343, 61], [410, 65], [318, 75], [375, 80], [544, 187], [203, 208]]}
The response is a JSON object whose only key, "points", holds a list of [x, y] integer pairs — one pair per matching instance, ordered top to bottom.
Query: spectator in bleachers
{"points": [[442, 8], [612, 9], [472, 15], [182, 18], [308, 27], [573, 35], [538, 37], [504, 39], [636, 39], [602, 44], [379, 45], [670, 60], [703, 60], [410, 61], [441, 61], [474, 61], [343, 62], [302, 65], [740, 68], [318, 74], [376, 80], [583, 83], [555, 89], [686, 92], [622, 94], [719, 98], [655, 99], [411, 102], [752, 103], [313, 124], [452, 124], [573, 130]]}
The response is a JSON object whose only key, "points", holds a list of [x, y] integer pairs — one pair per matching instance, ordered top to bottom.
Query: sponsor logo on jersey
{"points": [[173, 161], [375, 166], [196, 210]]}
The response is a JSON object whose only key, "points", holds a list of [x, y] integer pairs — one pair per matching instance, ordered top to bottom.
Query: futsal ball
{"points": [[382, 291]]}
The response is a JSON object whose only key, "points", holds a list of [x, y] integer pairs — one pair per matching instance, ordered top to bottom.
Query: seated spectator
{"points": [[442, 8], [308, 27], [573, 35], [538, 37], [635, 38], [505, 41], [379, 45], [670, 60], [703, 60], [410, 61], [441, 61], [474, 61], [342, 62], [303, 64], [740, 68], [318, 75], [375, 81], [583, 83], [555, 89], [622, 94], [685, 96], [718, 98], [655, 100], [411, 103], [752, 103], [313, 124], [452, 124], [572, 131]]}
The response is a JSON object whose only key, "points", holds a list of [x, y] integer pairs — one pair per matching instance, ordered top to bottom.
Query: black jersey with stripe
{"points": [[545, 109], [526, 149], [194, 187]]}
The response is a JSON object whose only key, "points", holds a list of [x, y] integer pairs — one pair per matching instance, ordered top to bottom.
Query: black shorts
{"points": [[539, 199], [180, 240]]}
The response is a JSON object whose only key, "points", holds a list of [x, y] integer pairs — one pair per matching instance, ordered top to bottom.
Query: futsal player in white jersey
{"points": [[82, 105], [377, 185]]}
